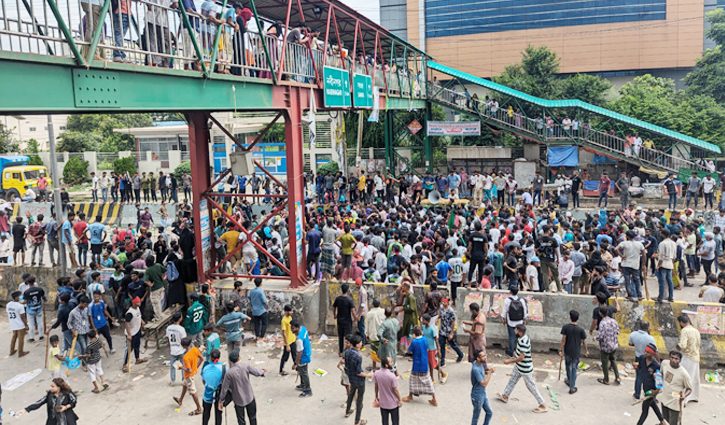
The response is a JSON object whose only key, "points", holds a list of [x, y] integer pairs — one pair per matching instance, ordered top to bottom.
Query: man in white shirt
{"points": [[637, 143], [103, 183], [708, 185], [487, 186], [94, 188], [29, 195], [719, 220], [632, 253], [665, 255], [532, 274], [18, 324], [174, 334]]}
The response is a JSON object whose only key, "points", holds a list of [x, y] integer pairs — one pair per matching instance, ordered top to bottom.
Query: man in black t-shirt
{"points": [[576, 187], [671, 190], [18, 241], [546, 246], [477, 252], [510, 267], [601, 301], [344, 309], [571, 340]]}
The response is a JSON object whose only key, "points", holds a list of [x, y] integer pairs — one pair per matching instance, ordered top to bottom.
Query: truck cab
{"points": [[16, 174]]}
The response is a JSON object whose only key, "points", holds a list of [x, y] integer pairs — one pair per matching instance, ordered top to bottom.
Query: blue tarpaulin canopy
{"points": [[567, 156], [601, 159]]}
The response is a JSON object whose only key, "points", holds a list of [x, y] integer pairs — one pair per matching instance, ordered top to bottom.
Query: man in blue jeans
{"points": [[120, 19], [671, 190], [665, 256], [259, 309], [515, 312], [572, 336], [639, 340], [479, 380]]}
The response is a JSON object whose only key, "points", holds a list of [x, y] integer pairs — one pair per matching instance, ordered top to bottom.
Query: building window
{"points": [[32, 128], [62, 128]]}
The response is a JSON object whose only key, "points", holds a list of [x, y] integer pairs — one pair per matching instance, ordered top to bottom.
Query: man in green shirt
{"points": [[145, 185], [347, 241], [154, 275], [194, 323]]}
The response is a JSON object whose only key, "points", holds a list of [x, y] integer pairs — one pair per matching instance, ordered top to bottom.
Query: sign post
{"points": [[362, 87], [337, 88]]}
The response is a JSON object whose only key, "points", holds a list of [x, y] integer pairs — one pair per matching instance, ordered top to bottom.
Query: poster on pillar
{"points": [[337, 88], [204, 227], [298, 231]]}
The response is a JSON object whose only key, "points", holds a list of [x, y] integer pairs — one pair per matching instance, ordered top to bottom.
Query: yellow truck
{"points": [[16, 174]]}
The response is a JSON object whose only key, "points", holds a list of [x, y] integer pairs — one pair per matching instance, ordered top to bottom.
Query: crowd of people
{"points": [[384, 236]]}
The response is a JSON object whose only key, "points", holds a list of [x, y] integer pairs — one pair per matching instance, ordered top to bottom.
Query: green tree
{"points": [[537, 74], [708, 77], [587, 88], [655, 100], [101, 126], [79, 141], [7, 144], [31, 146], [34, 160], [124, 165], [331, 166], [182, 168], [75, 171]]}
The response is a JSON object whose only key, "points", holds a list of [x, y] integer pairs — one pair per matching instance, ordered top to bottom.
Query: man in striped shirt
{"points": [[523, 368]]}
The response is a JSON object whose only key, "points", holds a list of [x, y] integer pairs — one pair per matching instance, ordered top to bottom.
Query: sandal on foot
{"points": [[283, 373], [602, 381], [617, 381], [96, 391], [501, 397], [176, 399], [407, 399], [433, 402], [539, 410], [194, 413], [348, 414]]}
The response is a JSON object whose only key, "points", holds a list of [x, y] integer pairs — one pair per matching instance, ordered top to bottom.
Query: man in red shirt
{"points": [[604, 185], [42, 187], [79, 229], [36, 235]]}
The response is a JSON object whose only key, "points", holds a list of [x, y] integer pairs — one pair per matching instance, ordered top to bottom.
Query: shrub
{"points": [[35, 160], [123, 165], [329, 166], [184, 167], [75, 171]]}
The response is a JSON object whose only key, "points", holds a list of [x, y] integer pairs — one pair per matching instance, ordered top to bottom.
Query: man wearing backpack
{"points": [[515, 312]]}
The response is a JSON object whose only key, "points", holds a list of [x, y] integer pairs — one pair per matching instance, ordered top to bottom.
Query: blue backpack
{"points": [[172, 273]]}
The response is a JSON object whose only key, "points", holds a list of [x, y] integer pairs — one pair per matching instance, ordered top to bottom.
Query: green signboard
{"points": [[337, 88], [362, 88]]}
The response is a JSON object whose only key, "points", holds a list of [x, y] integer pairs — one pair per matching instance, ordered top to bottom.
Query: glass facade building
{"points": [[461, 17]]}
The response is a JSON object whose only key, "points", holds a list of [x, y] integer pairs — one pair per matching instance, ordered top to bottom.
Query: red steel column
{"points": [[199, 141], [295, 186]]}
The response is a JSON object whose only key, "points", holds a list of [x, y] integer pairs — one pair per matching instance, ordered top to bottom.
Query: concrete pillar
{"points": [[92, 160]]}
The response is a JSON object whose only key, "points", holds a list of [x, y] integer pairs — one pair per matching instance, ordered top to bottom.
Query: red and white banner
{"points": [[454, 128]]}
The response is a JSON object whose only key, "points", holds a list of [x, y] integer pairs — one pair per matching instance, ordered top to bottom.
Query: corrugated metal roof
{"points": [[575, 103]]}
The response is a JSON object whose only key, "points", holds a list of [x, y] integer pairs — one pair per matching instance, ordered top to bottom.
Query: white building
{"points": [[26, 127]]}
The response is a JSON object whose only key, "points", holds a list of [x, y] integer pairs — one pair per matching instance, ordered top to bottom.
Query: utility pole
{"points": [[56, 194]]}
